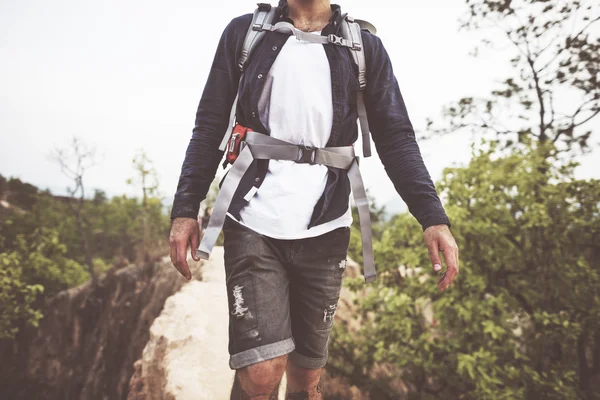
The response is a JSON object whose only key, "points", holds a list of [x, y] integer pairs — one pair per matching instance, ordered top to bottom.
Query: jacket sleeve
{"points": [[212, 117], [395, 140]]}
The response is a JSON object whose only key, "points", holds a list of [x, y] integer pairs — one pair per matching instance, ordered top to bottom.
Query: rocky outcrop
{"points": [[144, 334], [89, 338], [186, 357]]}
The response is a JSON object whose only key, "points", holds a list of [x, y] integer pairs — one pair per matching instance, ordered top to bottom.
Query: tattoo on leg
{"points": [[320, 386], [297, 396]]}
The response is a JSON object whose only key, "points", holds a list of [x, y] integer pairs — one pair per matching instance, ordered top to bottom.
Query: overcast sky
{"points": [[125, 75]]}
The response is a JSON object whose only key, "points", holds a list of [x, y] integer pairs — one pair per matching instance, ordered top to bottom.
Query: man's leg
{"points": [[316, 276], [260, 336], [259, 381], [303, 383]]}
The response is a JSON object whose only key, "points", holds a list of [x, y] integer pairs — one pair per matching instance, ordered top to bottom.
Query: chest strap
{"points": [[286, 27], [263, 147]]}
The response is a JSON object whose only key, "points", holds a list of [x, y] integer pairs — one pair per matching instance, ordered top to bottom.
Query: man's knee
{"points": [[264, 376]]}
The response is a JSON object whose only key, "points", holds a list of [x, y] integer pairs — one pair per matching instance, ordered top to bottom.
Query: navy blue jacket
{"points": [[391, 128]]}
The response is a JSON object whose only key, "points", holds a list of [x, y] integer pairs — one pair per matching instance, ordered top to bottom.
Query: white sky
{"points": [[125, 75]]}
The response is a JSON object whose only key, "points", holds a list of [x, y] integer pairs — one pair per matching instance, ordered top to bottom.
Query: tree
{"points": [[554, 92], [74, 161], [146, 180], [522, 321]]}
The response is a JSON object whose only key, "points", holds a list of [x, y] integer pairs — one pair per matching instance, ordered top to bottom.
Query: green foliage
{"points": [[41, 250], [42, 258], [36, 265], [16, 298], [521, 321]]}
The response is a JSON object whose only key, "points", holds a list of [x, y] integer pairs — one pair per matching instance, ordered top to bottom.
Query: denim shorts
{"points": [[282, 294]]}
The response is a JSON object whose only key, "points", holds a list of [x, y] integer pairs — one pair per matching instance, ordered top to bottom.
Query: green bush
{"points": [[37, 265], [522, 319]]}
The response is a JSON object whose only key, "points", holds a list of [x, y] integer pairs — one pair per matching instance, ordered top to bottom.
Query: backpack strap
{"points": [[264, 14], [262, 22], [366, 26], [352, 30], [259, 146]]}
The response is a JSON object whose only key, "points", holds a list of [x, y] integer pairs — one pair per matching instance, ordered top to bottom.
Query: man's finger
{"points": [[194, 243], [173, 251], [434, 255], [451, 257], [182, 264], [448, 278], [445, 283]]}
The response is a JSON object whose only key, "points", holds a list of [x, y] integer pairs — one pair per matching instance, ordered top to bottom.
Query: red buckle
{"points": [[235, 142]]}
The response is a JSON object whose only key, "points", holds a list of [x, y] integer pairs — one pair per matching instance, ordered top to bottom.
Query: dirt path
{"points": [[194, 323]]}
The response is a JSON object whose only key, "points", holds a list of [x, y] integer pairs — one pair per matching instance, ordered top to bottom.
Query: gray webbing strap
{"points": [[286, 27], [351, 30], [253, 36], [359, 55], [232, 114], [364, 125], [260, 146], [267, 147], [224, 198], [364, 215]]}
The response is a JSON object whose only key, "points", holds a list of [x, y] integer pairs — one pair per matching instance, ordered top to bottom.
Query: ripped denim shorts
{"points": [[282, 294]]}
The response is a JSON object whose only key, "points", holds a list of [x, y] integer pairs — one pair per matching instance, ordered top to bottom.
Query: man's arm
{"points": [[212, 117], [394, 138], [399, 152], [202, 156]]}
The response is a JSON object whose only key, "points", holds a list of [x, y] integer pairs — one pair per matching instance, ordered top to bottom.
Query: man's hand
{"points": [[184, 232], [439, 238]]}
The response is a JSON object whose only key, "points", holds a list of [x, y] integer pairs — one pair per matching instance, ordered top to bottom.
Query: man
{"points": [[287, 235]]}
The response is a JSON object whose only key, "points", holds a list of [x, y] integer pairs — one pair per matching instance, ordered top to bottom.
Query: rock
{"points": [[89, 338], [186, 357]]}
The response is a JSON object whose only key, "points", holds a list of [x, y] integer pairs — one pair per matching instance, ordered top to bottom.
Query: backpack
{"points": [[351, 38], [259, 146]]}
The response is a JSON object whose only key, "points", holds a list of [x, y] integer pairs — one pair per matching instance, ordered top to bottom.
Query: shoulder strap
{"points": [[264, 14], [366, 26], [352, 30]]}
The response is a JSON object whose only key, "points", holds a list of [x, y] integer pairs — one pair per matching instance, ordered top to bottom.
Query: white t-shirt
{"points": [[299, 110]]}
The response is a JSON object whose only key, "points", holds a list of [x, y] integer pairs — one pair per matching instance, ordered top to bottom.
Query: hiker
{"points": [[282, 100]]}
